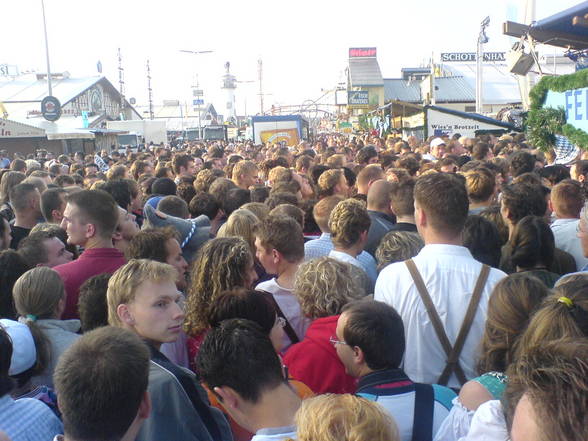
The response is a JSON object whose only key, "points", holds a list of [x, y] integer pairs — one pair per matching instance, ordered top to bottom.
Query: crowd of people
{"points": [[358, 288]]}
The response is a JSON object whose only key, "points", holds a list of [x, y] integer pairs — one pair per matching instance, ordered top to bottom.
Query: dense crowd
{"points": [[350, 288]]}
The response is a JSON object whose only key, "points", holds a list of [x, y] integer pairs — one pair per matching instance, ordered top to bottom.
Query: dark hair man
{"points": [[521, 162], [183, 165], [26, 203], [53, 204], [174, 206], [402, 206], [90, 219], [43, 248], [444, 273], [370, 344], [239, 364], [110, 365]]}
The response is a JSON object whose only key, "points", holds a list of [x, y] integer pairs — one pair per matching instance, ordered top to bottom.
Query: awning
{"points": [[568, 29]]}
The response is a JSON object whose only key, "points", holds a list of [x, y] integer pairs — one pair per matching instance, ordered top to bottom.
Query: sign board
{"points": [[362, 52], [470, 57], [8, 70], [197, 92], [341, 98], [358, 98], [197, 102], [574, 103], [51, 108], [441, 123], [345, 127], [13, 129], [289, 136]]}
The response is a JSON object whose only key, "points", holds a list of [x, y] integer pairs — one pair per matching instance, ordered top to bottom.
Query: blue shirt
{"points": [[28, 419]]}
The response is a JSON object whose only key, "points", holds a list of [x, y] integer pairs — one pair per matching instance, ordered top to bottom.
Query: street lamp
{"points": [[482, 39], [46, 50], [196, 88]]}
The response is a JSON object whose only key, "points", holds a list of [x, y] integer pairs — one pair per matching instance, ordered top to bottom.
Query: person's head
{"points": [[481, 151], [367, 155], [521, 162], [184, 165], [579, 171], [245, 174], [368, 176], [8, 181], [332, 182], [480, 185], [163, 187], [220, 188], [121, 192], [378, 196], [402, 198], [234, 199], [567, 199], [26, 200], [53, 204], [204, 204], [441, 205], [174, 206], [289, 210], [89, 215], [241, 223], [349, 223], [126, 229], [483, 240], [279, 243], [532, 243], [161, 245], [398, 246], [44, 248], [222, 264], [324, 286], [39, 293], [142, 297], [513, 301], [242, 303], [92, 305], [369, 337], [237, 361], [110, 365], [547, 393], [346, 417]]}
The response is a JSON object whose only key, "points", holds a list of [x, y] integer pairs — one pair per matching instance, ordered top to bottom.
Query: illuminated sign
{"points": [[362, 52], [470, 57], [358, 98]]}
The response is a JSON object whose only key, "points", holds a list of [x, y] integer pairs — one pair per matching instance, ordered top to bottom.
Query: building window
{"points": [[470, 108]]}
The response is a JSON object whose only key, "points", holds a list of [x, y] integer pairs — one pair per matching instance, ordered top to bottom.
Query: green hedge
{"points": [[544, 123]]}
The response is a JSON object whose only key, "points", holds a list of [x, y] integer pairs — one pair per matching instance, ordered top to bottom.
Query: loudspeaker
{"points": [[519, 62]]}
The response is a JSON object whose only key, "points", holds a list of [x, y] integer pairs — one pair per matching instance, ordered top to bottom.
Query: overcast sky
{"points": [[303, 43]]}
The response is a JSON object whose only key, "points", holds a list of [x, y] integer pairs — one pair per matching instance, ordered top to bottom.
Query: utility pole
{"points": [[482, 39], [260, 76], [121, 84], [50, 89], [150, 91], [196, 91]]}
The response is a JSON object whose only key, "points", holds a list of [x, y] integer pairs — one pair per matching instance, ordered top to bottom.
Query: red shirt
{"points": [[91, 263], [314, 361]]}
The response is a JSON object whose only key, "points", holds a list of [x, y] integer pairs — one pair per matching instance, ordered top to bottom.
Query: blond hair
{"points": [[243, 168], [328, 180], [347, 221], [241, 223], [398, 246], [221, 265], [123, 285], [324, 285], [38, 292], [344, 417]]}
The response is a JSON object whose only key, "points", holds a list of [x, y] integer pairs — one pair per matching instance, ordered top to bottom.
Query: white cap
{"points": [[437, 142], [24, 353]]}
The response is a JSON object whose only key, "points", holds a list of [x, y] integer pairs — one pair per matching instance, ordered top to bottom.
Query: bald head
{"points": [[378, 197]]}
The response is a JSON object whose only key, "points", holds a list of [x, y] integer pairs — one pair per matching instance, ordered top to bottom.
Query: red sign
{"points": [[362, 52]]}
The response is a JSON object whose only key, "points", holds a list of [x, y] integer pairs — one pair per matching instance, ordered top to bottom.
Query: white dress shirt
{"points": [[565, 233], [450, 274]]}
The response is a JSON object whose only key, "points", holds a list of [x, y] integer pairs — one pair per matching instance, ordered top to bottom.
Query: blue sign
{"points": [[358, 98], [197, 102], [574, 102], [85, 122]]}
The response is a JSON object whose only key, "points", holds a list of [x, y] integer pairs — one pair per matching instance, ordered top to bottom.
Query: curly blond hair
{"points": [[347, 221], [398, 246], [221, 265], [324, 285], [344, 417]]}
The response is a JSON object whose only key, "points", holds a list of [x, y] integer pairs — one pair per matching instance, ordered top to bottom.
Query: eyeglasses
{"points": [[281, 322], [336, 342]]}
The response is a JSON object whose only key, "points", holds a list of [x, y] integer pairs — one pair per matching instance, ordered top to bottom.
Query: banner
{"points": [[289, 136]]}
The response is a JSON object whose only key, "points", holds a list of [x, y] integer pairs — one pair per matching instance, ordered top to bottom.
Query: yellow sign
{"points": [[289, 136]]}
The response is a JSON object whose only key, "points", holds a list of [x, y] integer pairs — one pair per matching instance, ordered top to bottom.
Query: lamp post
{"points": [[482, 39], [196, 88], [50, 89]]}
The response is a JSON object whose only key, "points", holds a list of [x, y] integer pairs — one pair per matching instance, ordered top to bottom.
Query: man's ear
{"points": [[550, 205], [90, 230], [117, 235], [276, 255], [124, 314], [358, 355], [227, 397], [145, 406]]}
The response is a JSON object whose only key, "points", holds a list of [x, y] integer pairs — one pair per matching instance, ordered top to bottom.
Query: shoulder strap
{"points": [[288, 329], [453, 359], [424, 409]]}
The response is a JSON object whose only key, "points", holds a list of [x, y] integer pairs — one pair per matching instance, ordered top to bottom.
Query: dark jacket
{"points": [[381, 224]]}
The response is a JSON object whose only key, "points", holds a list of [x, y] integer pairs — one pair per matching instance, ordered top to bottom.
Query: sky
{"points": [[303, 44]]}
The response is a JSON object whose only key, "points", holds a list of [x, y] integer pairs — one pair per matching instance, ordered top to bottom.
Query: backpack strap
{"points": [[288, 329], [451, 352], [424, 408]]}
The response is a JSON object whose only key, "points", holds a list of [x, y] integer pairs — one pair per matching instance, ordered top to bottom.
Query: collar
{"points": [[381, 215], [564, 221], [325, 236], [434, 249], [101, 252], [342, 256], [73, 325], [385, 378], [276, 430]]}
